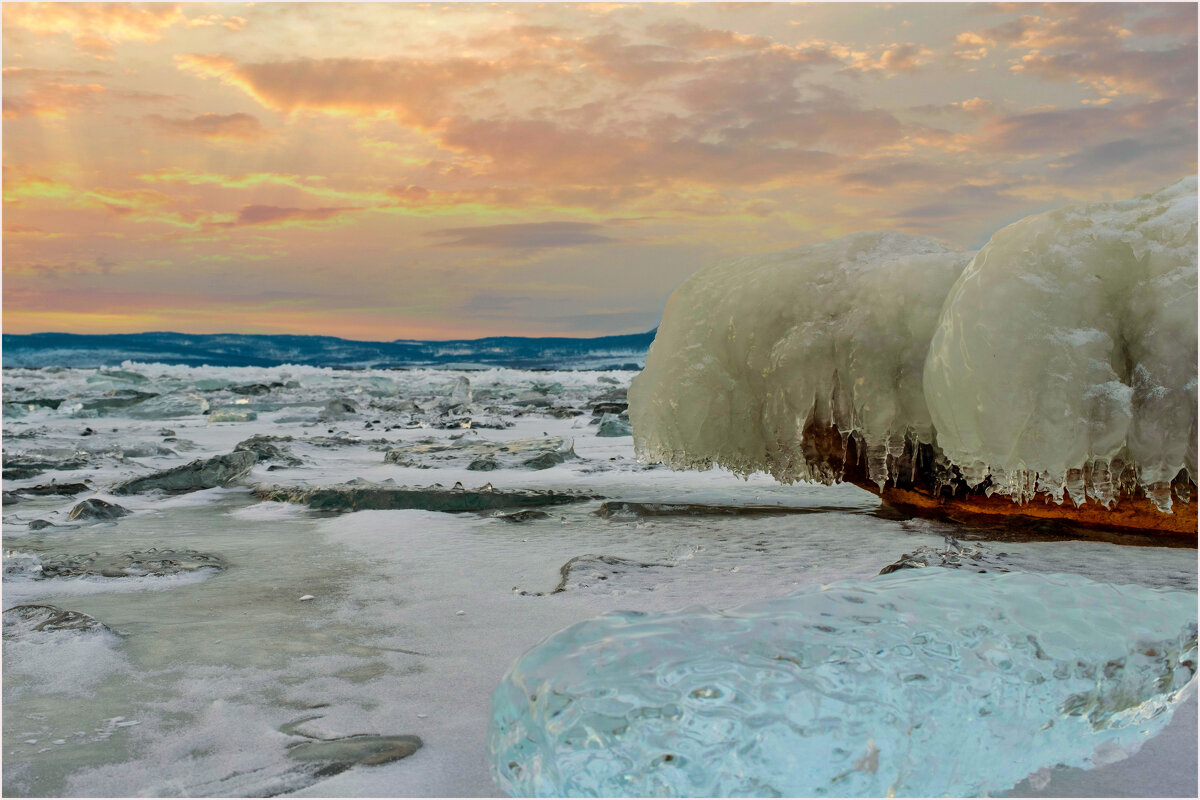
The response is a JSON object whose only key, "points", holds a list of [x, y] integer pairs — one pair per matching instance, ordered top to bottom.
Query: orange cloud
{"points": [[210, 20], [95, 27], [690, 36], [1086, 42], [972, 46], [893, 59], [36, 73], [1154, 73], [414, 92], [748, 97], [52, 100], [975, 107], [242, 127], [1065, 130], [527, 133], [892, 174], [18, 188], [414, 193], [134, 205], [275, 216], [32, 231], [528, 236]]}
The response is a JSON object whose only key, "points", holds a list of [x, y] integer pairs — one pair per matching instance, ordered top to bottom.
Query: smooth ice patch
{"points": [[269, 511], [940, 683]]}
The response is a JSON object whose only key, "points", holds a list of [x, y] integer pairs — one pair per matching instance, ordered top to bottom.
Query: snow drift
{"points": [[1060, 359]]}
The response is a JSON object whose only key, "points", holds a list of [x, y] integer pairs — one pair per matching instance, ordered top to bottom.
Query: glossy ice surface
{"points": [[927, 683]]}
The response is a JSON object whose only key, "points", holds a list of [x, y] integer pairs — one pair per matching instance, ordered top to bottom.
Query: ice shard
{"points": [[938, 683]]}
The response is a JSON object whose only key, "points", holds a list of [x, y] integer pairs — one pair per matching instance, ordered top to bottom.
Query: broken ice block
{"points": [[612, 425], [938, 683]]}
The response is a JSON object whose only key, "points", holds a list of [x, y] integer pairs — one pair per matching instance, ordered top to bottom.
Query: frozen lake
{"points": [[212, 664]]}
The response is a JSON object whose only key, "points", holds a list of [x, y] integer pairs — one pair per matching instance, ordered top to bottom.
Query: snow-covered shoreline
{"points": [[209, 679]]}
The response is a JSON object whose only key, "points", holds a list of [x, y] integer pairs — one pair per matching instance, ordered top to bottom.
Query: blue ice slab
{"points": [[936, 682]]}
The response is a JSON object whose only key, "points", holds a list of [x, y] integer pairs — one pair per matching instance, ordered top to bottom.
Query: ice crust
{"points": [[751, 352], [1066, 352], [1062, 359], [940, 684], [195, 700]]}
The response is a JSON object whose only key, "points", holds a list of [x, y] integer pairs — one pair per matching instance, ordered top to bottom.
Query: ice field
{"points": [[234, 645]]}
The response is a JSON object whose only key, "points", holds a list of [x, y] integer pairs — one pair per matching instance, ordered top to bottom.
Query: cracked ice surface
{"points": [[940, 683]]}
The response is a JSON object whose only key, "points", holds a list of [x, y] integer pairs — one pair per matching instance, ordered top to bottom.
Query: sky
{"points": [[382, 171]]}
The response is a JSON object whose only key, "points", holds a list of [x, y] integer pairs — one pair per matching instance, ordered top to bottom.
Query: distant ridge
{"points": [[252, 350]]}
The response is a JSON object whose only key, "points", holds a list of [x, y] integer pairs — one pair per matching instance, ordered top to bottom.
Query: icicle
{"points": [[895, 450], [877, 463], [975, 473], [1051, 486], [1074, 486], [1101, 486], [1159, 493]]}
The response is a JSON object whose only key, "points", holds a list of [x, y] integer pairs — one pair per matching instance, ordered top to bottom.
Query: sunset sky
{"points": [[378, 171]]}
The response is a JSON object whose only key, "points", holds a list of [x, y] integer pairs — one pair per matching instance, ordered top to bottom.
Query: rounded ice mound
{"points": [[1065, 357], [772, 362], [943, 683]]}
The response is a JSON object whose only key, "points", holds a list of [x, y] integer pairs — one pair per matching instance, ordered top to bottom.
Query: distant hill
{"points": [[244, 350]]}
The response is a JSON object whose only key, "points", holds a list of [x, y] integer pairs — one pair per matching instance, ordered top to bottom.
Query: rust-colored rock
{"points": [[920, 493], [1130, 514]]}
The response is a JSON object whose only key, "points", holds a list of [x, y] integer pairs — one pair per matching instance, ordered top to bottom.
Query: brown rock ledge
{"points": [[923, 495]]}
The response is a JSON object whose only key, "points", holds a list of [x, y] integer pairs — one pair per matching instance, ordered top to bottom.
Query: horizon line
{"points": [[341, 338]]}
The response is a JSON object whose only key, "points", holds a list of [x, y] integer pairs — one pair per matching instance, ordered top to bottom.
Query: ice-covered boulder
{"points": [[1065, 357], [757, 359], [1061, 362], [460, 393], [170, 406], [338, 408], [232, 414], [611, 425], [480, 454], [222, 470], [363, 496], [96, 509], [27, 622], [939, 683]]}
